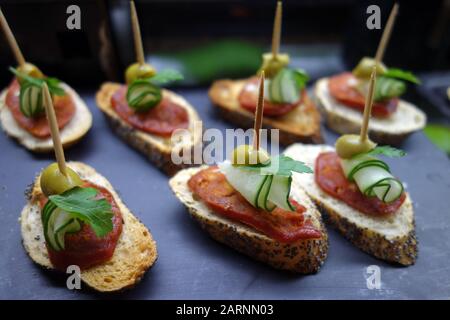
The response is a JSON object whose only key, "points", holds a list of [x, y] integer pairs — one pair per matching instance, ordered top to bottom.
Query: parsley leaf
{"points": [[401, 75], [166, 76], [53, 84], [387, 151], [280, 165], [81, 204]]}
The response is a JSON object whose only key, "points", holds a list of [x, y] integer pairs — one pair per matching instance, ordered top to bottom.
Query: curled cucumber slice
{"points": [[142, 95], [31, 100], [373, 178], [264, 192]]}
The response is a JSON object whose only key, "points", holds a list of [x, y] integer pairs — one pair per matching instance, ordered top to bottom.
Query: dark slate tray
{"points": [[193, 266]]}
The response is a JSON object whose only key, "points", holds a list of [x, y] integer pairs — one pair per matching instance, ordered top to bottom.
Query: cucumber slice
{"points": [[286, 86], [143, 95], [30, 98], [373, 178], [247, 183], [262, 191], [279, 193], [263, 202], [56, 224]]}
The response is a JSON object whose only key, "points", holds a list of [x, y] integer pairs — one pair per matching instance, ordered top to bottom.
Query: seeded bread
{"points": [[299, 125], [77, 127], [392, 130], [157, 149], [388, 238], [135, 252], [302, 256]]}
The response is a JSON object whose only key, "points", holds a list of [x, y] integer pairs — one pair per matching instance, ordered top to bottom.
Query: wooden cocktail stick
{"points": [[386, 34], [137, 35], [276, 35], [11, 40], [368, 106], [259, 113], [54, 129]]}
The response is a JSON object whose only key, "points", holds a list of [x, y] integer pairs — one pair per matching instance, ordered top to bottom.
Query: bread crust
{"points": [[344, 120], [299, 125], [71, 133], [157, 149], [390, 238], [134, 254], [302, 256]]}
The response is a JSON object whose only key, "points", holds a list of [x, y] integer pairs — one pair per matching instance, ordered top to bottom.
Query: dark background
{"points": [[209, 39]]}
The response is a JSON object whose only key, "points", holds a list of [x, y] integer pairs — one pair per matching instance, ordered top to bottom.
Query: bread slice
{"points": [[342, 119], [299, 125], [77, 127], [157, 149], [389, 238], [135, 252], [302, 256]]}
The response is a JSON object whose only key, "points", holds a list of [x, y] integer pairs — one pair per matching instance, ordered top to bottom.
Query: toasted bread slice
{"points": [[342, 119], [299, 125], [70, 134], [157, 149], [389, 238], [135, 252], [302, 256]]}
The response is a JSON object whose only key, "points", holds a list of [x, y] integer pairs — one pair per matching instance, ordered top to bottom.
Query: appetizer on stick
{"points": [[341, 98], [287, 105], [22, 113], [145, 115], [358, 193], [249, 204], [75, 217]]}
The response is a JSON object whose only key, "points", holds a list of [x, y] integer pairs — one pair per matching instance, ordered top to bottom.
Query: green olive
{"points": [[272, 65], [364, 68], [30, 70], [139, 71], [350, 145], [246, 155], [54, 182]]}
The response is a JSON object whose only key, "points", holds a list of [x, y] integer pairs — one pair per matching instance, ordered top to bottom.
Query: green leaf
{"points": [[401, 75], [166, 76], [52, 83], [387, 88], [439, 135], [387, 151], [281, 166], [81, 204]]}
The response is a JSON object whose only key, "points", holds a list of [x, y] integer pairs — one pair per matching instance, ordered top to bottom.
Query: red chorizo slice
{"points": [[341, 89], [161, 120], [38, 126], [330, 177], [211, 187], [84, 248]]}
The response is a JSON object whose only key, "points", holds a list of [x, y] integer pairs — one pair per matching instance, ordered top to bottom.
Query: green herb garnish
{"points": [[401, 75], [166, 76], [53, 84], [386, 151], [280, 165], [80, 203]]}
